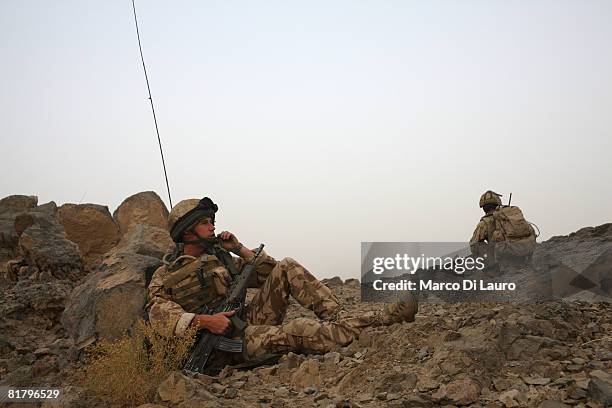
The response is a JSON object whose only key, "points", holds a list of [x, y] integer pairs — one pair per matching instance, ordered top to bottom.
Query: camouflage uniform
{"points": [[483, 232], [481, 243], [266, 333]]}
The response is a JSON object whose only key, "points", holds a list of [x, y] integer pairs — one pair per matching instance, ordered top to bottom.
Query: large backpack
{"points": [[513, 234]]}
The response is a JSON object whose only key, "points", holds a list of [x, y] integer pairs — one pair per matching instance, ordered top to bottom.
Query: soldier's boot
{"points": [[403, 310]]}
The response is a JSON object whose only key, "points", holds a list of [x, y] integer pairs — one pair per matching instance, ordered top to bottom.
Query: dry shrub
{"points": [[127, 372]]}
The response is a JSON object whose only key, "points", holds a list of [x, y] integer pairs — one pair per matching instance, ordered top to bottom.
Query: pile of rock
{"points": [[34, 244], [74, 274], [71, 275], [555, 354]]}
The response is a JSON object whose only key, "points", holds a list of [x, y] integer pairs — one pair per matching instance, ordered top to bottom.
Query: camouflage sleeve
{"points": [[479, 235], [263, 265], [166, 317]]}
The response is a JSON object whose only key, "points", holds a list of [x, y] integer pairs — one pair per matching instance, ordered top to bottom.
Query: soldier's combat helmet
{"points": [[490, 197], [187, 213]]}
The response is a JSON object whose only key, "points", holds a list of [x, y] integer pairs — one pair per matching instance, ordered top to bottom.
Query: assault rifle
{"points": [[208, 342]]}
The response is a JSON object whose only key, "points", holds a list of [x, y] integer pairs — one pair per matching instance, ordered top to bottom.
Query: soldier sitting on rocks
{"points": [[178, 291]]}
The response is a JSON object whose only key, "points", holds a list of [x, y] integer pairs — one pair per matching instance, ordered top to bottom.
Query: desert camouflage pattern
{"points": [[489, 197], [180, 209], [484, 230], [513, 234], [511, 240], [481, 244], [289, 278], [277, 281], [173, 302], [335, 329], [267, 334], [300, 335]]}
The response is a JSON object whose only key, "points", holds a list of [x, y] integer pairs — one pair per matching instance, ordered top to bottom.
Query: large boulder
{"points": [[17, 203], [10, 207], [142, 208], [92, 228], [146, 240], [44, 246], [45, 299], [110, 300]]}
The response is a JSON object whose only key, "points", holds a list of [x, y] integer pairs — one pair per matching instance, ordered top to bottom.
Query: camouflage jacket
{"points": [[482, 233], [170, 314]]}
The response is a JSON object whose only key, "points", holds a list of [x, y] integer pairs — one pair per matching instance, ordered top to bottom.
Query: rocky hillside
{"points": [[70, 275], [63, 288], [555, 354]]}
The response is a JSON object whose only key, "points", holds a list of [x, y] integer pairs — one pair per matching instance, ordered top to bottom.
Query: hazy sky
{"points": [[315, 125]]}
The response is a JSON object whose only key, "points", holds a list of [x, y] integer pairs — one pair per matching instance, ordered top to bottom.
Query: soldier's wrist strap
{"points": [[237, 249]]}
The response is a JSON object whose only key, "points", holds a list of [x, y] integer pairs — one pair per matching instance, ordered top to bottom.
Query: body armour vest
{"points": [[195, 283]]}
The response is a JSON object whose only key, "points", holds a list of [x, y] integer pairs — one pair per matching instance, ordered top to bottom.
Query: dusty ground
{"points": [[548, 354]]}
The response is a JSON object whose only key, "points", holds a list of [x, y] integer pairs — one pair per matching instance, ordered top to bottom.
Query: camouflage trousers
{"points": [[266, 333]]}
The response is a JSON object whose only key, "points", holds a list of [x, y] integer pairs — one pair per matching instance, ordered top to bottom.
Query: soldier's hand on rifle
{"points": [[216, 324]]}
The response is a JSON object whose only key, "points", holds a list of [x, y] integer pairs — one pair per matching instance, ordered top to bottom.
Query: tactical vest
{"points": [[197, 282]]}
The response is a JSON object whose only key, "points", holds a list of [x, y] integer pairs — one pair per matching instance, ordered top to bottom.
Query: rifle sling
{"points": [[227, 261]]}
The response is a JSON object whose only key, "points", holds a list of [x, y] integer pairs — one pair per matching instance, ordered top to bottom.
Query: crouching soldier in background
{"points": [[503, 234], [200, 271]]}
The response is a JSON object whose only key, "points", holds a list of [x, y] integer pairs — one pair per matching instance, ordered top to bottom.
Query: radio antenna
{"points": [[144, 67]]}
